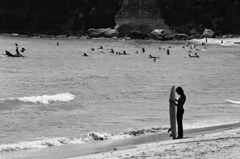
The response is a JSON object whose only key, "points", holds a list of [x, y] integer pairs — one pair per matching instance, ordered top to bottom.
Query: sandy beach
{"points": [[221, 41], [223, 144]]}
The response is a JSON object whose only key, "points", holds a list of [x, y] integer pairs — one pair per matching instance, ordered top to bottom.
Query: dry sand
{"points": [[221, 41], [224, 144]]}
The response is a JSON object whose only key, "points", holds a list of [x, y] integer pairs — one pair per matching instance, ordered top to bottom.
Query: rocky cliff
{"points": [[140, 15], [57, 16], [61, 16], [182, 16], [222, 16]]}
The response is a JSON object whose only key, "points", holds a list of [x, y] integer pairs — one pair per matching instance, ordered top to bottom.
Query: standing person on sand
{"points": [[180, 110]]}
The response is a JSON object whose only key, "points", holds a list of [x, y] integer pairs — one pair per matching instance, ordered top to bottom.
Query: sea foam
{"points": [[44, 99], [91, 136], [39, 144]]}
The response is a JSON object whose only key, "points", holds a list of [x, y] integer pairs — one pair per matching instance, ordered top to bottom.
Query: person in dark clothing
{"points": [[23, 49], [168, 52], [18, 53], [9, 54], [85, 54], [180, 110]]}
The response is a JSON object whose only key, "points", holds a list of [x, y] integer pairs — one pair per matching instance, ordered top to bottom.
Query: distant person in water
{"points": [[22, 50], [112, 51], [168, 52], [18, 53], [9, 54], [84, 54], [196, 55], [150, 56], [180, 110]]}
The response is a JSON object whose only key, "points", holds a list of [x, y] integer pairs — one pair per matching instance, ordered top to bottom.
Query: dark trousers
{"points": [[179, 122]]}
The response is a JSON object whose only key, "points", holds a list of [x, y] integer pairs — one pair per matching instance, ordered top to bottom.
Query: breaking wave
{"points": [[44, 99], [234, 102], [92, 136]]}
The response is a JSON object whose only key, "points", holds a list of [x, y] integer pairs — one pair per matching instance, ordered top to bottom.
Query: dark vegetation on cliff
{"points": [[57, 15], [61, 16], [222, 16]]}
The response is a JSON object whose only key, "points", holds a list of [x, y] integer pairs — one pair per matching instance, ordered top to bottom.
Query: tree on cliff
{"points": [[57, 15], [220, 15], [223, 16]]}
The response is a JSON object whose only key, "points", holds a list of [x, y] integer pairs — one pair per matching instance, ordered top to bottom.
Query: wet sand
{"points": [[201, 142], [215, 145]]}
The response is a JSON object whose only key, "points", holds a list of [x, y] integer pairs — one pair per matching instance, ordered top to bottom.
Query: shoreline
{"points": [[227, 40], [220, 41], [227, 135], [224, 144], [133, 147]]}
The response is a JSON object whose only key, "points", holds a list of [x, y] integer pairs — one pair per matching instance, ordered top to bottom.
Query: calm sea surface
{"points": [[56, 96]]}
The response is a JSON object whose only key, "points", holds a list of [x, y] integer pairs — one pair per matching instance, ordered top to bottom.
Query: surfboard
{"points": [[172, 113]]}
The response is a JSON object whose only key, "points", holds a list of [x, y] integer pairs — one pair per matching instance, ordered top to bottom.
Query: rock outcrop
{"points": [[140, 15], [108, 32], [208, 33]]}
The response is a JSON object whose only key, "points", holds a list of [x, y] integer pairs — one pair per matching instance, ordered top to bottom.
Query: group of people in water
{"points": [[189, 45], [190, 51], [125, 53], [17, 54], [195, 55]]}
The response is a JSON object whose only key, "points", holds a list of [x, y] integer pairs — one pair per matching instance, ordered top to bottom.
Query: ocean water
{"points": [[58, 97]]}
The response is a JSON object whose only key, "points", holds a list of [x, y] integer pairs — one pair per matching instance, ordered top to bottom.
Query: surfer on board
{"points": [[180, 110]]}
